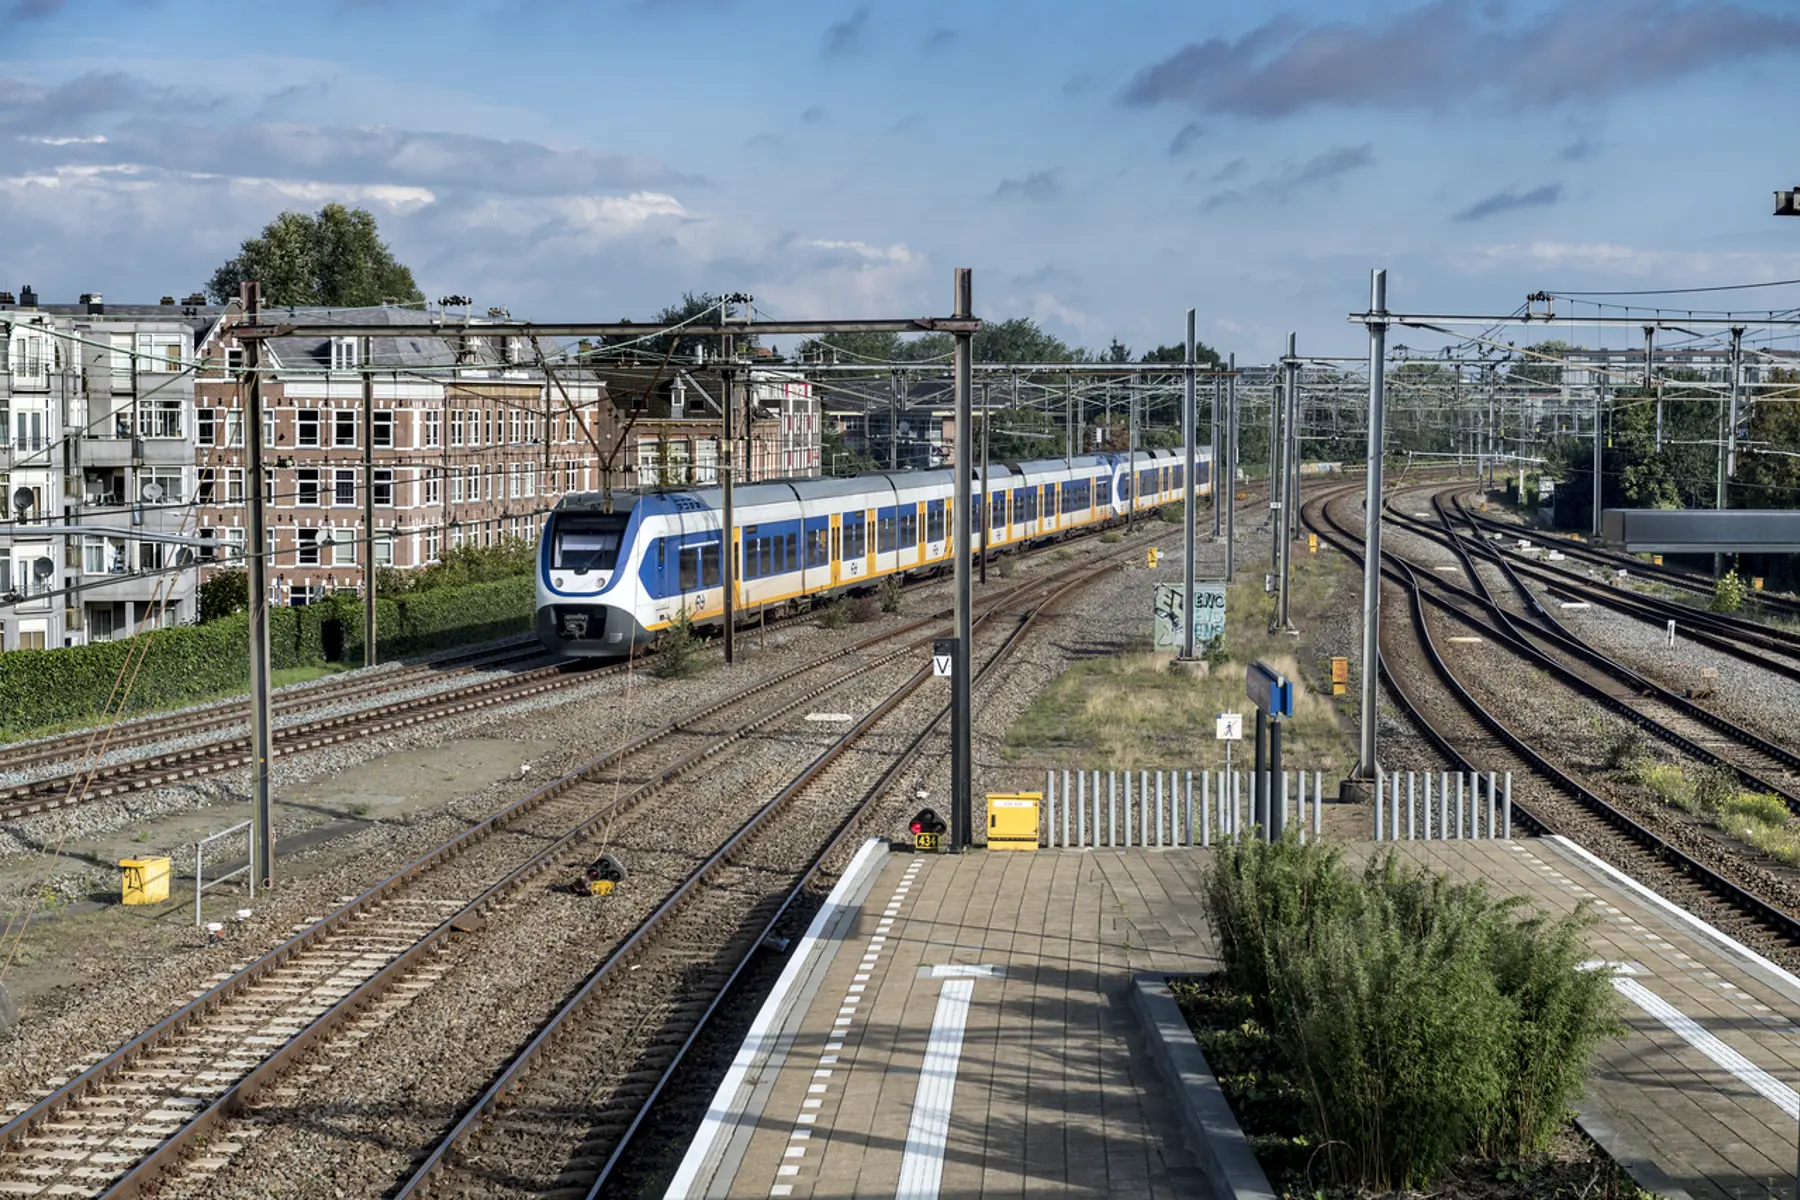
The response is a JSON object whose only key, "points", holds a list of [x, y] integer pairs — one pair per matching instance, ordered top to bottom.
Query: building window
{"points": [[343, 354], [234, 359], [159, 418], [514, 421], [307, 424], [205, 427], [234, 427], [344, 427], [456, 427], [434, 429], [489, 430], [382, 431], [531, 432], [473, 475], [530, 479], [513, 480], [209, 482], [162, 485], [234, 485], [456, 487], [306, 488], [384, 488], [434, 491], [343, 492], [434, 541], [234, 545], [309, 547], [343, 547], [384, 549]]}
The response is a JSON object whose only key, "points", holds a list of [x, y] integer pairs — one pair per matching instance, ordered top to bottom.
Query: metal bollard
{"points": [[1067, 795], [1237, 797], [1461, 798], [1284, 803], [1318, 804], [1394, 805], [1412, 806], [1444, 806], [1506, 807], [1049, 808], [1081, 808], [1112, 808], [1128, 808], [1159, 809], [1378, 821], [1491, 829]]}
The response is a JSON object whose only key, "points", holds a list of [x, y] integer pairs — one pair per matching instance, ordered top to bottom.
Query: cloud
{"points": [[29, 10], [843, 37], [938, 39], [1450, 51], [1077, 85], [813, 115], [1190, 133], [1580, 150], [1230, 170], [1280, 185], [1040, 186], [1504, 202], [1045, 276]]}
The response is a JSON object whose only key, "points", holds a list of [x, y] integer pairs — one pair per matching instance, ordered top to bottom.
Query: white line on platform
{"points": [[1753, 1076], [722, 1114], [922, 1166]]}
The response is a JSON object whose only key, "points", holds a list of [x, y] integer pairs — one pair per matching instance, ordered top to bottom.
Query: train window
{"points": [[1103, 489], [1000, 510], [934, 524], [909, 529], [886, 534], [586, 541], [816, 553], [766, 555], [791, 560], [690, 568], [711, 572]]}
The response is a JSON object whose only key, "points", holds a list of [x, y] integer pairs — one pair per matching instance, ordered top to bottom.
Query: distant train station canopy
{"points": [[1702, 531]]}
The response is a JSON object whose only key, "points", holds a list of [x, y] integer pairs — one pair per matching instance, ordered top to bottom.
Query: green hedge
{"points": [[43, 689]]}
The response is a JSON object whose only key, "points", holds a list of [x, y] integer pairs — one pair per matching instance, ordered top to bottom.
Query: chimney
{"points": [[27, 297], [8, 298], [195, 298], [168, 301], [96, 303], [678, 398]]}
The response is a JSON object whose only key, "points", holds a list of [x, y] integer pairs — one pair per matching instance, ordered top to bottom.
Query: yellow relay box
{"points": [[1340, 676], [1013, 820], [146, 880]]}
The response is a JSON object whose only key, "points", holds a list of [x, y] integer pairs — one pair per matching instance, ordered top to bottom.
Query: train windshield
{"points": [[586, 541]]}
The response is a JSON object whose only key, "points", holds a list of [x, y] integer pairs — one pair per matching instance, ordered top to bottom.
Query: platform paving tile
{"points": [[1052, 1096], [1715, 1136]]}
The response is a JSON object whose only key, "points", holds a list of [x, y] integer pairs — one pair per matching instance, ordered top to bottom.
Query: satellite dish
{"points": [[153, 491], [22, 498], [184, 557], [42, 568]]}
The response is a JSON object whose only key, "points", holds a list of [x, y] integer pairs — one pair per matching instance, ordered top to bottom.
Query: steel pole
{"points": [[894, 421], [1728, 436], [1599, 442], [1131, 450], [1293, 454], [1217, 457], [1231, 469], [1189, 493], [368, 507], [728, 518], [987, 518], [1283, 543], [256, 546], [1371, 644], [961, 752]]}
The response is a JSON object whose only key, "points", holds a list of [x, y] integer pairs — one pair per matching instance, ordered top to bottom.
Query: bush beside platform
{"points": [[42, 690]]}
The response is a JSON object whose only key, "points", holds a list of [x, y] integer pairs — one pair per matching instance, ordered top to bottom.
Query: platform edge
{"points": [[1218, 1141], [1630, 1157]]}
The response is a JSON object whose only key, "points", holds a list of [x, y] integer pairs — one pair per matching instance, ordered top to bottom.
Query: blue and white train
{"points": [[610, 580]]}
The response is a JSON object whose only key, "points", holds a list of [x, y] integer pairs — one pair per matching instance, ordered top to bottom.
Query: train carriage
{"points": [[615, 575]]}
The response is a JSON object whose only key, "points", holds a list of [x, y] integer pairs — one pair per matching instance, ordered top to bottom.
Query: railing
{"points": [[1175, 808], [1442, 817], [200, 884]]}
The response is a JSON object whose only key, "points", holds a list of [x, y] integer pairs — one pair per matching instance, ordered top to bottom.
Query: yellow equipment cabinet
{"points": [[1340, 676], [1013, 820], [146, 880]]}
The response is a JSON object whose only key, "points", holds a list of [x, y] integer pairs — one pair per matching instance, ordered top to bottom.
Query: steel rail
{"points": [[1783, 923], [511, 1077]]}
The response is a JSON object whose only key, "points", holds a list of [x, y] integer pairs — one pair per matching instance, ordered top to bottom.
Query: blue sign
{"points": [[1269, 690]]}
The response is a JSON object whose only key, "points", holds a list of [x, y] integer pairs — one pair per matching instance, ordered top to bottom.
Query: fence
{"points": [[1171, 808], [1445, 813], [200, 884]]}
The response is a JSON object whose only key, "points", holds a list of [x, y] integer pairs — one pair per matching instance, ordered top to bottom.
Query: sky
{"points": [[1100, 167]]}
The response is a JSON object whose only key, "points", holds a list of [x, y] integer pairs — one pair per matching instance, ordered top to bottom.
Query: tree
{"points": [[335, 259], [1174, 352], [225, 593]]}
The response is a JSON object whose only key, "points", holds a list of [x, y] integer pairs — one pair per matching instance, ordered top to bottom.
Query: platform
{"points": [[960, 1026]]}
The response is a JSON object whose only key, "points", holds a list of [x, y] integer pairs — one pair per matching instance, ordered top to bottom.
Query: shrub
{"points": [[1171, 513], [1112, 537], [1005, 566], [1728, 592], [225, 593], [891, 594], [864, 608], [834, 615], [1214, 652], [679, 655], [1624, 747], [1668, 782], [1716, 787], [1766, 807], [1424, 1020]]}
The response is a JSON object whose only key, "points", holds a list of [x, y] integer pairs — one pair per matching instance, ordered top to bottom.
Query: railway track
{"points": [[1677, 577], [84, 745], [1680, 862], [561, 1116], [119, 1124]]}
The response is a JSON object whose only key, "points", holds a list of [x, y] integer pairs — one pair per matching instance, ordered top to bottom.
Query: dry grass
{"points": [[1131, 711]]}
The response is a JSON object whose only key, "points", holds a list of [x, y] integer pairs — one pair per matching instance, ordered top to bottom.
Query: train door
{"points": [[837, 533], [870, 541]]}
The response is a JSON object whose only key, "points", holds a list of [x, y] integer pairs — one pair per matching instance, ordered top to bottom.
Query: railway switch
{"points": [[928, 830], [601, 876]]}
